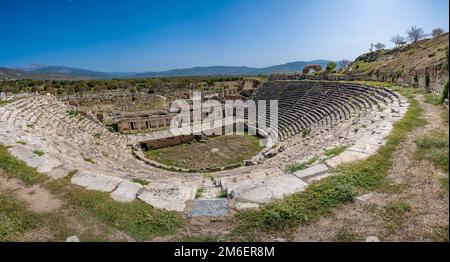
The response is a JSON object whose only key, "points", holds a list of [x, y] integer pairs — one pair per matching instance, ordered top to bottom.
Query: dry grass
{"points": [[214, 152]]}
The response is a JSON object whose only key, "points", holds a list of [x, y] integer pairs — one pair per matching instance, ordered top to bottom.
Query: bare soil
{"points": [[38, 198]]}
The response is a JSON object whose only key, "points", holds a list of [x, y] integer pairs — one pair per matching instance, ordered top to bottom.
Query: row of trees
{"points": [[413, 34], [151, 85]]}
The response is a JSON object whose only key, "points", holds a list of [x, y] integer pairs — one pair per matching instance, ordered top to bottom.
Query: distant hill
{"points": [[234, 70], [62, 72], [7, 73]]}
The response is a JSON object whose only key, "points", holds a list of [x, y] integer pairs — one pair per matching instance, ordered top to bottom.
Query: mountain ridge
{"points": [[64, 72]]}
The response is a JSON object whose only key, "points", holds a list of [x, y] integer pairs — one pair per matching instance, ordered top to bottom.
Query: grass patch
{"points": [[444, 93], [431, 99], [3, 102], [73, 112], [444, 115], [30, 125], [306, 132], [21, 142], [434, 147], [335, 151], [38, 152], [214, 152], [90, 160], [302, 165], [16, 168], [140, 181], [444, 183], [199, 193], [222, 194], [321, 197], [394, 214], [14, 218], [138, 219], [16, 221], [345, 234], [440, 234]]}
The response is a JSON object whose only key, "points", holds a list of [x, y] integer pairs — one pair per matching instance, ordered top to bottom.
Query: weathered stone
{"points": [[373, 139], [364, 148], [21, 152], [347, 156], [43, 164], [317, 169], [59, 172], [317, 177], [93, 181], [231, 182], [269, 189], [126, 191], [169, 196], [246, 206], [209, 208], [72, 239], [372, 239]]}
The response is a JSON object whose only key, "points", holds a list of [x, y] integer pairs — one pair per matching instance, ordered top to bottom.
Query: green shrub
{"points": [[331, 66], [399, 72], [444, 93], [73, 112], [306, 132], [38, 152], [140, 181], [222, 194]]}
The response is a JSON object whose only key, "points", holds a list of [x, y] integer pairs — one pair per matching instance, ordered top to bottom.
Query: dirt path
{"points": [[414, 183], [38, 198], [58, 221]]}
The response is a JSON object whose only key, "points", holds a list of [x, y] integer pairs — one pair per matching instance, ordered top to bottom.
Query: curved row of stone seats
{"points": [[303, 104], [363, 133]]}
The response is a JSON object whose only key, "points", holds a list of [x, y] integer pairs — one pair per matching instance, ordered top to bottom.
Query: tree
{"points": [[437, 32], [415, 34], [398, 40], [379, 46], [371, 47], [344, 63], [331, 66], [69, 91]]}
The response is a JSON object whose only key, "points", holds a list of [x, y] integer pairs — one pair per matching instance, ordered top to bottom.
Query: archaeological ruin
{"points": [[313, 116]]}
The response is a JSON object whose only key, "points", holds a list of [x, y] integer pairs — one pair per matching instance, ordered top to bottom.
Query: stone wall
{"points": [[437, 78], [144, 124], [166, 142]]}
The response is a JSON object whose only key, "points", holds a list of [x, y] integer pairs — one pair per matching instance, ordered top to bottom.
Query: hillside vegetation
{"points": [[404, 60]]}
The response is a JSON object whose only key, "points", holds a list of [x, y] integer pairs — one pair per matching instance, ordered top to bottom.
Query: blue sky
{"points": [[138, 35]]}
